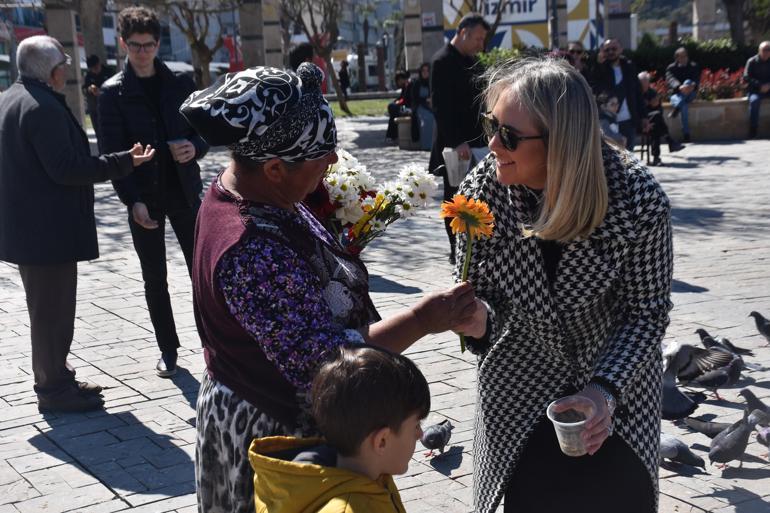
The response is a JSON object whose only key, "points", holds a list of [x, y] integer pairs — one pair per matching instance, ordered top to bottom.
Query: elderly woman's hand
{"points": [[446, 310], [476, 326], [597, 428]]}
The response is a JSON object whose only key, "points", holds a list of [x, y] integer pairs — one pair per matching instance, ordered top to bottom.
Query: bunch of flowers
{"points": [[356, 210]]}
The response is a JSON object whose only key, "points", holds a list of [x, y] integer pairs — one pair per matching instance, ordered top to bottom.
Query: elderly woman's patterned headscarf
{"points": [[263, 113]]}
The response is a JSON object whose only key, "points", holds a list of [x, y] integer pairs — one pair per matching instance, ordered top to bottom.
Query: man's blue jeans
{"points": [[754, 100], [681, 101]]}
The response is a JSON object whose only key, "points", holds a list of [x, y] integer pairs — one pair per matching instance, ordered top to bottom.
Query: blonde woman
{"points": [[575, 284]]}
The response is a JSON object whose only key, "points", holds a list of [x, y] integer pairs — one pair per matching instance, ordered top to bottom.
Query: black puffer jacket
{"points": [[126, 116]]}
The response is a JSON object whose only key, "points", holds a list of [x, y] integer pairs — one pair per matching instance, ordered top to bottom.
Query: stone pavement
{"points": [[138, 454]]}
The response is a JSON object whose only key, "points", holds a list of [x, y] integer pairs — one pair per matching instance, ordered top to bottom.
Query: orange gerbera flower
{"points": [[470, 216]]}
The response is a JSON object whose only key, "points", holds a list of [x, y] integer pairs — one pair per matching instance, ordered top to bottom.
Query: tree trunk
{"points": [[91, 13], [735, 18], [327, 57], [201, 58]]}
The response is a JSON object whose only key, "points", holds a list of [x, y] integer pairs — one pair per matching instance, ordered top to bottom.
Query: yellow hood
{"points": [[282, 486]]}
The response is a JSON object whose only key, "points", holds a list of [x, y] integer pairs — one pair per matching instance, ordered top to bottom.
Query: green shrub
{"points": [[715, 54]]}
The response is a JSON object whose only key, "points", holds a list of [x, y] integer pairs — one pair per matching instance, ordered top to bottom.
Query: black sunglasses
{"points": [[508, 137]]}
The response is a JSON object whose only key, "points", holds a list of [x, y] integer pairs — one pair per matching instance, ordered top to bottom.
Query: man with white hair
{"points": [[757, 75], [656, 127], [47, 219]]}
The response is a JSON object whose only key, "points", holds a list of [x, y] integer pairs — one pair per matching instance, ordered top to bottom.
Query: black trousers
{"points": [[394, 110], [628, 130], [657, 132], [449, 193], [150, 246], [51, 292], [545, 480]]}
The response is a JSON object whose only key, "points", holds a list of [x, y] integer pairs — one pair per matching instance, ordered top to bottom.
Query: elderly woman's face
{"points": [[526, 165], [304, 179]]}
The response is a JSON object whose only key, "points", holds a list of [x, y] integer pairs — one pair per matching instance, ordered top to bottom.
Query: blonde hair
{"points": [[563, 109]]}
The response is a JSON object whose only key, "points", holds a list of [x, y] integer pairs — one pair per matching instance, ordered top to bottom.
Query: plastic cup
{"points": [[564, 414]]}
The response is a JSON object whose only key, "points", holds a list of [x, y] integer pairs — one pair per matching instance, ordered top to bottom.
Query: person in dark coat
{"points": [[618, 75], [757, 75], [95, 77], [344, 78], [683, 78], [455, 96], [142, 104], [399, 106], [422, 113], [657, 128], [47, 220]]}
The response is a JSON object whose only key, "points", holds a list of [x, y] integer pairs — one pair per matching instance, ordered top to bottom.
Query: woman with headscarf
{"points": [[273, 292]]}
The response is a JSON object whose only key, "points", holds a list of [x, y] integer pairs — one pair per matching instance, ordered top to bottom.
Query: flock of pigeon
{"points": [[716, 365]]}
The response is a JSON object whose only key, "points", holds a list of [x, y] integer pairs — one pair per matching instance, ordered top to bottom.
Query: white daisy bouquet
{"points": [[357, 210]]}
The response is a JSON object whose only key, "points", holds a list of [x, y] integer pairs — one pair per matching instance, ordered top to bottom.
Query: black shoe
{"points": [[674, 113], [752, 132], [687, 138], [674, 146], [656, 162], [452, 259], [166, 366], [88, 388], [70, 400]]}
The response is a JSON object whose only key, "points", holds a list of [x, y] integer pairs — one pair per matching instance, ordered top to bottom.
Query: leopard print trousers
{"points": [[226, 425]]}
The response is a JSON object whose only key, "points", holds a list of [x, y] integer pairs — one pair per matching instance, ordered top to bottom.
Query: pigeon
{"points": [[763, 325], [708, 342], [691, 362], [718, 378], [753, 402], [676, 405], [710, 429], [437, 436], [763, 438], [731, 443], [673, 449]]}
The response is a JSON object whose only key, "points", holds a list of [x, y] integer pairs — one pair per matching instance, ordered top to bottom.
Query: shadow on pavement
{"points": [[696, 217], [382, 284], [681, 286], [189, 386], [123, 454], [450, 460], [740, 499]]}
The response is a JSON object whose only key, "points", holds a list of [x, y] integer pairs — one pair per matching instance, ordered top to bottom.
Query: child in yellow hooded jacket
{"points": [[368, 403]]}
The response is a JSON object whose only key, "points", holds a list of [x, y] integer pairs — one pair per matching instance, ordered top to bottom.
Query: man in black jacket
{"points": [[617, 75], [757, 75], [95, 77], [683, 78], [455, 97], [142, 104], [47, 220]]}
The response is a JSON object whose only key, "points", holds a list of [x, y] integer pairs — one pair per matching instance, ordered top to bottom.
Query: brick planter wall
{"points": [[720, 120]]}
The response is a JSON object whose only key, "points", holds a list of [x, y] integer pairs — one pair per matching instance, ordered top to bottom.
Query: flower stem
{"points": [[466, 265]]}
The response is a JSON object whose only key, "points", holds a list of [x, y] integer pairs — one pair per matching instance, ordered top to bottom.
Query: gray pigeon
{"points": [[763, 325], [708, 342], [691, 362], [718, 378], [753, 402], [676, 405], [710, 429], [437, 436], [763, 437], [731, 443], [673, 449]]}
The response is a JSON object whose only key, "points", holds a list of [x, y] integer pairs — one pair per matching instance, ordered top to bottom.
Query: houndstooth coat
{"points": [[604, 318]]}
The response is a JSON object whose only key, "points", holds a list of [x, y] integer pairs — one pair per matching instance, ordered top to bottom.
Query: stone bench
{"points": [[719, 120], [405, 142]]}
